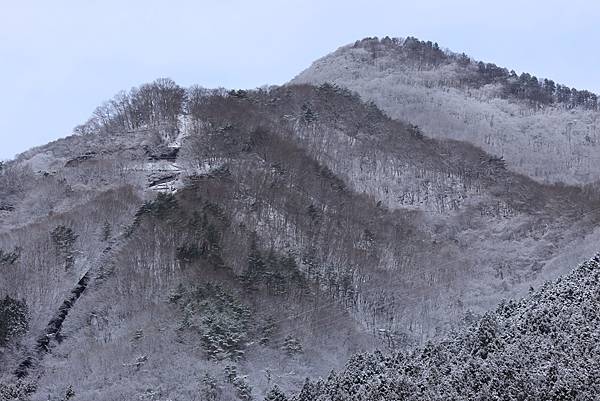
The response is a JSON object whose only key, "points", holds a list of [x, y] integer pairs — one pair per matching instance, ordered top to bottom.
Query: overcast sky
{"points": [[60, 59]]}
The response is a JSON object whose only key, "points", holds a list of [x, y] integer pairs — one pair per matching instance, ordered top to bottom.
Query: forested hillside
{"points": [[543, 129], [210, 244], [543, 347]]}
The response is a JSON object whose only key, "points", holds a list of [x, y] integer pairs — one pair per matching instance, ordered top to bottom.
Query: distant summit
{"points": [[425, 55], [543, 129]]}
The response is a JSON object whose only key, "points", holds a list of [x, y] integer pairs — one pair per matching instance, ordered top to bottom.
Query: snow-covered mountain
{"points": [[542, 129], [252, 238]]}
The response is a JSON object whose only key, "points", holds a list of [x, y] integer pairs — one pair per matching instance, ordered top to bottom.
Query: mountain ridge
{"points": [[267, 235]]}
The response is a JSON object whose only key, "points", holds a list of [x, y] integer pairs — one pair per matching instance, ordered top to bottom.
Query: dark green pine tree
{"points": [[308, 115], [230, 372]]}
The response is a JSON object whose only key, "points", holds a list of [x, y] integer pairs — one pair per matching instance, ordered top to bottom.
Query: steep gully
{"points": [[96, 272], [54, 326]]}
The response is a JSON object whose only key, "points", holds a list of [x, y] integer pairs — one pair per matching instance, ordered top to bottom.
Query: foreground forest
{"points": [[195, 244], [543, 347]]}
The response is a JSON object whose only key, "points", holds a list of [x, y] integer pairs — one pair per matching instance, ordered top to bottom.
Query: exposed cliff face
{"points": [[544, 130], [275, 231]]}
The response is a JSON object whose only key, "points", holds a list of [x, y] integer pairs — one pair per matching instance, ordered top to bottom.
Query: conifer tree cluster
{"points": [[537, 92], [64, 242], [10, 257], [275, 273], [14, 319], [221, 321], [544, 347]]}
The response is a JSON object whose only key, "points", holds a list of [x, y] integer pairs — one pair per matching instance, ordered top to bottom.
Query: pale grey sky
{"points": [[60, 59]]}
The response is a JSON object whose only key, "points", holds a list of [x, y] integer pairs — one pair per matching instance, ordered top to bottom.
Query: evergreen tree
{"points": [[308, 115], [106, 231], [64, 241], [10, 258], [256, 269], [14, 319], [221, 321], [267, 331], [291, 345], [230, 373], [209, 390], [243, 390], [309, 392], [69, 393], [275, 394]]}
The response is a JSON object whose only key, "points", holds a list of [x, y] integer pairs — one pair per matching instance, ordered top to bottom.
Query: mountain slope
{"points": [[547, 131], [252, 238], [544, 347]]}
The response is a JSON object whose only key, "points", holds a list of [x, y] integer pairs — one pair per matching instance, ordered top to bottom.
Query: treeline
{"points": [[413, 50], [537, 91], [161, 101], [158, 103]]}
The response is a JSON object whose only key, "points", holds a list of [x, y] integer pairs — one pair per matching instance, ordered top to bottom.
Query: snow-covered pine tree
{"points": [[292, 345], [275, 394]]}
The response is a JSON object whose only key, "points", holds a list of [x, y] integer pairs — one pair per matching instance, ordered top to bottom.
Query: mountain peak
{"points": [[541, 128], [252, 238]]}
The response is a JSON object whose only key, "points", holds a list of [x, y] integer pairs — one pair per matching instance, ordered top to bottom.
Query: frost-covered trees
{"points": [[427, 55], [150, 105], [543, 129], [358, 221], [106, 231], [64, 242], [10, 257], [272, 272], [14, 319], [221, 321], [291, 345], [540, 348], [243, 389], [210, 390], [16, 391], [275, 394]]}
